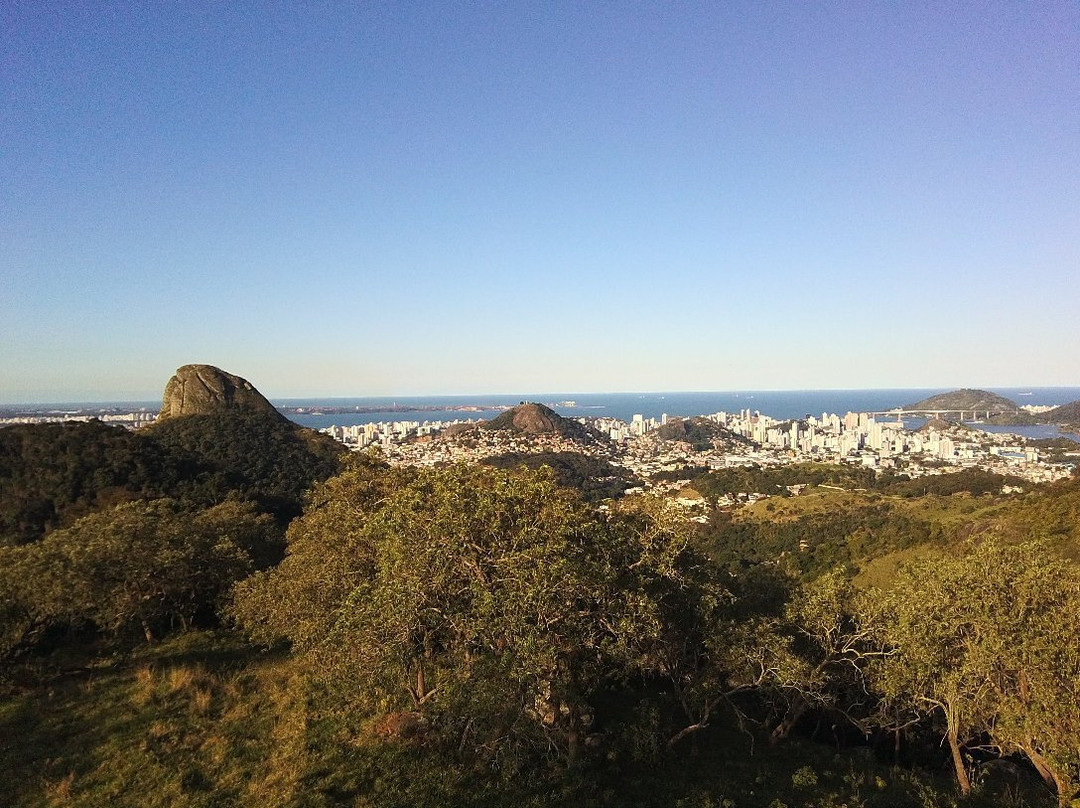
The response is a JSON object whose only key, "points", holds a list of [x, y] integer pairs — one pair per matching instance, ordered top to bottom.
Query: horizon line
{"points": [[741, 390]]}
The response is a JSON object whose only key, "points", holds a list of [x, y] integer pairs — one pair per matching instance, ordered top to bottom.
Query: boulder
{"points": [[204, 389]]}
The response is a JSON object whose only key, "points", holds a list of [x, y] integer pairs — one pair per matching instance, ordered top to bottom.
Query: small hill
{"points": [[205, 389], [966, 399], [1065, 414], [1019, 418], [536, 419], [939, 425], [942, 425], [700, 433], [249, 453], [54, 474], [689, 494]]}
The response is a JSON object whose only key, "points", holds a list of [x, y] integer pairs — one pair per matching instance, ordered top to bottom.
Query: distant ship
{"points": [[1025, 394]]}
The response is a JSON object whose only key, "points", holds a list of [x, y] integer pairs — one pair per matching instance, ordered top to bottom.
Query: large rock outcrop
{"points": [[205, 389]]}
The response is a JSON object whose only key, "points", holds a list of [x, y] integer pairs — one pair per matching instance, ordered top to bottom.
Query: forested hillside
{"points": [[51, 474], [472, 635]]}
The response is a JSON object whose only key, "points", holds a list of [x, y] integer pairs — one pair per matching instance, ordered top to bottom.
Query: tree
{"points": [[257, 455], [52, 474], [596, 479], [327, 555], [144, 566], [679, 589], [493, 603], [1028, 603], [18, 606], [986, 644], [797, 647], [816, 654]]}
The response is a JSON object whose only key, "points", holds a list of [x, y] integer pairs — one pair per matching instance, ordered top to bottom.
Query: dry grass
{"points": [[788, 509], [183, 677], [192, 681], [145, 687], [201, 699], [278, 779], [59, 792]]}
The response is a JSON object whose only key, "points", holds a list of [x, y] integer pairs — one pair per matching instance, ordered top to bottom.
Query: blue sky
{"points": [[369, 199]]}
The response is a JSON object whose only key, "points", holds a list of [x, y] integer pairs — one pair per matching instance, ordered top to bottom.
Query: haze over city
{"points": [[420, 199]]}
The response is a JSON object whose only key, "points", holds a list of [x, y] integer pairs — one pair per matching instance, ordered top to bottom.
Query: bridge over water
{"points": [[900, 412]]}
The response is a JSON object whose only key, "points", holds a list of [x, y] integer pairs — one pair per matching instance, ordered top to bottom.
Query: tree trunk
{"points": [[784, 728], [682, 733], [573, 736], [958, 760], [1052, 777]]}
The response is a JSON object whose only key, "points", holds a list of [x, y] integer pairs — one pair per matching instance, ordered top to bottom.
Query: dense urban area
{"points": [[857, 438]]}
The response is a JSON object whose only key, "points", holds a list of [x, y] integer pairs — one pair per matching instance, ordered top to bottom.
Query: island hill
{"points": [[966, 400], [1001, 410], [1065, 414]]}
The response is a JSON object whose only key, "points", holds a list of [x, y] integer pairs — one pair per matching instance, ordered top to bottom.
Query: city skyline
{"points": [[423, 200]]}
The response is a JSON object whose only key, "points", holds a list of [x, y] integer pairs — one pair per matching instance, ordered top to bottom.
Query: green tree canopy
{"points": [[261, 457], [53, 474], [143, 566], [492, 602], [987, 644]]}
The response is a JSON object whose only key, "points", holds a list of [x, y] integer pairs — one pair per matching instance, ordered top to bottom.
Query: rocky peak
{"points": [[203, 389], [532, 419], [536, 419]]}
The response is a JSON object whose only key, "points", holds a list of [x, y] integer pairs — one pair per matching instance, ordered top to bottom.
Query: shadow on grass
{"points": [[82, 730]]}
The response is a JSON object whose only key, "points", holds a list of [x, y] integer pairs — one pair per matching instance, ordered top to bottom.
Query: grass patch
{"points": [[811, 501], [207, 721], [154, 730]]}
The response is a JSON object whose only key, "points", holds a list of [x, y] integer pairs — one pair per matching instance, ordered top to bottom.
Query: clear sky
{"points": [[367, 198]]}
